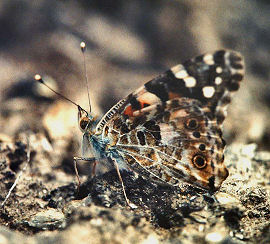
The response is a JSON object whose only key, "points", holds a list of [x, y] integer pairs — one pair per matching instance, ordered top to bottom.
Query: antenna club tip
{"points": [[83, 46], [38, 78]]}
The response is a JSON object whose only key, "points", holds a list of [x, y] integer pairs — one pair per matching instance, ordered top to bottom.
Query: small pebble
{"points": [[249, 150], [225, 198], [199, 218], [49, 219], [96, 222], [201, 228], [239, 236], [214, 237], [151, 239]]}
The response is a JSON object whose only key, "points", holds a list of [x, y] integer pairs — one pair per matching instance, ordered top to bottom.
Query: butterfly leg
{"points": [[93, 172], [131, 205]]}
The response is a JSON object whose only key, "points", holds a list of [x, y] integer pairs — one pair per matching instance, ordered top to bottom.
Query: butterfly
{"points": [[169, 130]]}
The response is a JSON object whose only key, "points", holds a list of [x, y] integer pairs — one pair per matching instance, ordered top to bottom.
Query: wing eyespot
{"points": [[192, 124], [196, 134], [202, 147], [199, 161]]}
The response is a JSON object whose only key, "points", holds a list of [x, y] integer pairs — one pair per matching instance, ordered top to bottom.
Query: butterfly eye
{"points": [[83, 123], [192, 124], [199, 161]]}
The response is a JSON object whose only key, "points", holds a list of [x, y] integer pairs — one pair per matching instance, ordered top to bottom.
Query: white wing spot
{"points": [[208, 59], [177, 68], [219, 70], [181, 74], [218, 80], [190, 81], [208, 91], [149, 98]]}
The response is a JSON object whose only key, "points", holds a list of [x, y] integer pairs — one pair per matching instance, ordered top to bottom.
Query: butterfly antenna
{"points": [[83, 48], [40, 80]]}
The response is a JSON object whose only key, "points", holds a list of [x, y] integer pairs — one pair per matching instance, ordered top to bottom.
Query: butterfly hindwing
{"points": [[176, 141]]}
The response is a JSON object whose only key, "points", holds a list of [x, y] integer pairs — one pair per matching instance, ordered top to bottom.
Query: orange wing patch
{"points": [[145, 99]]}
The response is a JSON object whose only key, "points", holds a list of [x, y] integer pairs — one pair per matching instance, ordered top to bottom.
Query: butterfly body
{"points": [[169, 130]]}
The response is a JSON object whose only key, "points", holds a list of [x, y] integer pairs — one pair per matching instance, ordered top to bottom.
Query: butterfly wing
{"points": [[208, 78], [169, 129]]}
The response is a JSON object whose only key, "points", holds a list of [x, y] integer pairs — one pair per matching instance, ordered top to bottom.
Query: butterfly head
{"points": [[85, 120]]}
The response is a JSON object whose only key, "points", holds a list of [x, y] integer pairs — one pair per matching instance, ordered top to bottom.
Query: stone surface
{"points": [[98, 211]]}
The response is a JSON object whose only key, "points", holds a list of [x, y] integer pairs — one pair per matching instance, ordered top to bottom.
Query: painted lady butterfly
{"points": [[169, 130]]}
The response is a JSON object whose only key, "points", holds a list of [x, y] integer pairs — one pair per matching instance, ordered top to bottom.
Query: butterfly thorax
{"points": [[94, 143]]}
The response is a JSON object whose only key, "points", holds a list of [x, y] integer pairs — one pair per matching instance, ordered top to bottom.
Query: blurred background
{"points": [[128, 43]]}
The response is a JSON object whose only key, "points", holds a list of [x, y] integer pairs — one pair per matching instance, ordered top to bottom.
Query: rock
{"points": [[226, 198], [48, 220], [215, 237]]}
